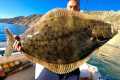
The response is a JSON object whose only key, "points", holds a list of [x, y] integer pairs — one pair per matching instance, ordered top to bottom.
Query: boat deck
{"points": [[26, 74]]}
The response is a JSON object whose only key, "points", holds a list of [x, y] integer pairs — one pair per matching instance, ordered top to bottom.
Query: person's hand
{"points": [[17, 44]]}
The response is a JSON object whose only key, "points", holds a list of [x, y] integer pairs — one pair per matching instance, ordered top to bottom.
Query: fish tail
{"points": [[10, 42]]}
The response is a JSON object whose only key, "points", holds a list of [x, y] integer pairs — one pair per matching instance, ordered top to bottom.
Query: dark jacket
{"points": [[48, 75]]}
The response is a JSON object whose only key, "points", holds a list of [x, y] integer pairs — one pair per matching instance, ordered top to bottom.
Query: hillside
{"points": [[112, 17], [21, 20], [29, 20]]}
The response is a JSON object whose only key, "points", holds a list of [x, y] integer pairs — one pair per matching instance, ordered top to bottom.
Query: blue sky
{"points": [[13, 8]]}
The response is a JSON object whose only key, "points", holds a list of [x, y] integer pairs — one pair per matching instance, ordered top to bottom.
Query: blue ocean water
{"points": [[16, 29], [104, 68]]}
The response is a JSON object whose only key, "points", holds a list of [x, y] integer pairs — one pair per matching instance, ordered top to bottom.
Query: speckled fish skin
{"points": [[63, 37], [62, 40]]}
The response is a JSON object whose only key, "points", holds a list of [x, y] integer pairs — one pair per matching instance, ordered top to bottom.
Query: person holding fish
{"points": [[61, 42]]}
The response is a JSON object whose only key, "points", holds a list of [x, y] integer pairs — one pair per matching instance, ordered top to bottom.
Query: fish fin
{"points": [[10, 42]]}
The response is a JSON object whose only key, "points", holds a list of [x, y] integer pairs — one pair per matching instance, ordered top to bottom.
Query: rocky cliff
{"points": [[112, 17], [21, 20]]}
